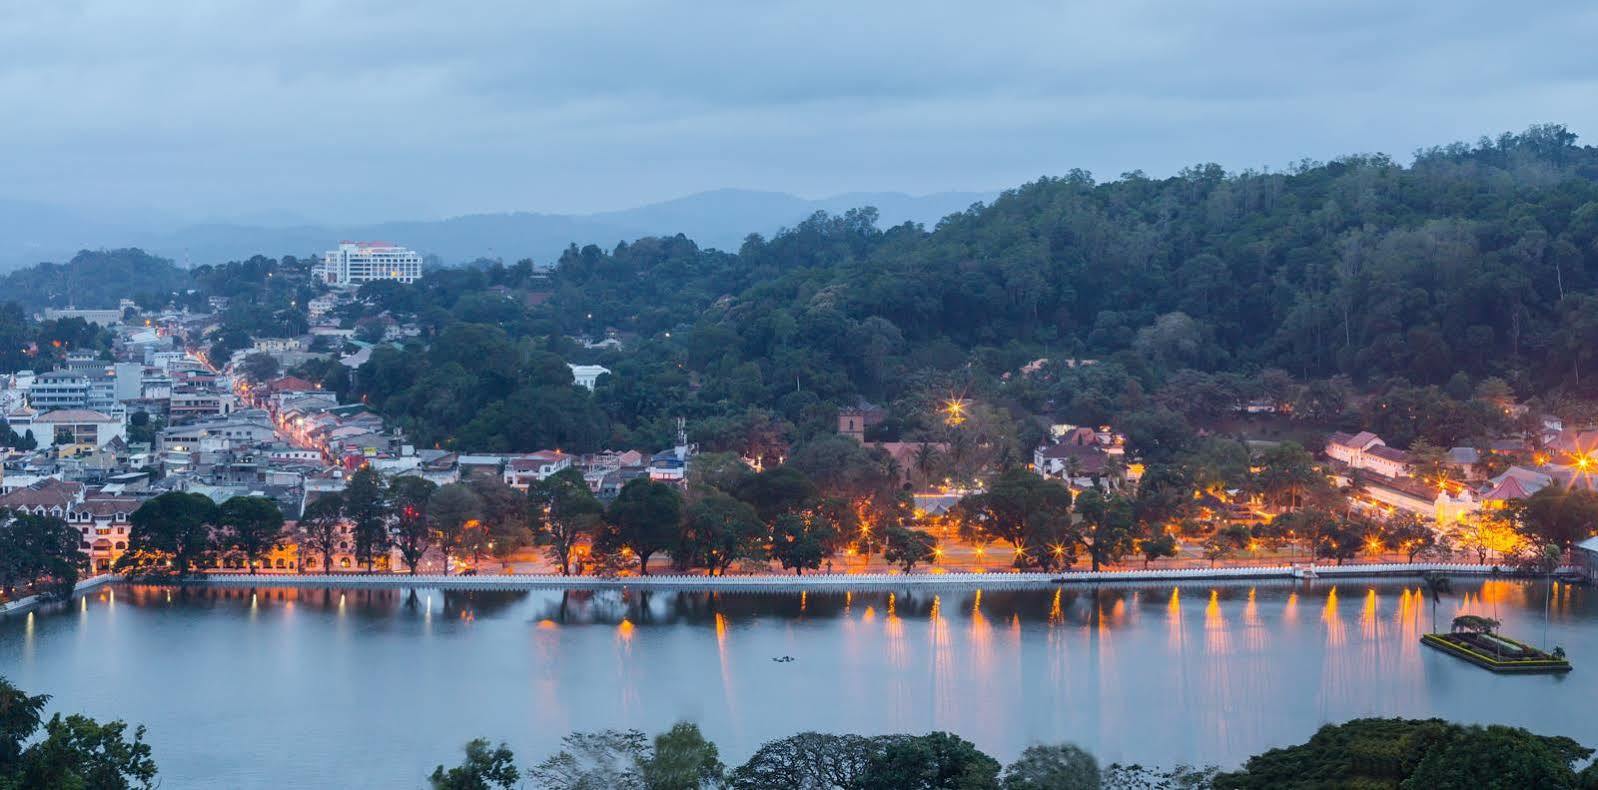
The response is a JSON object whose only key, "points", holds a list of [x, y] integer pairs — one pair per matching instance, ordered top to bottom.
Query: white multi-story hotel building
{"points": [[356, 262]]}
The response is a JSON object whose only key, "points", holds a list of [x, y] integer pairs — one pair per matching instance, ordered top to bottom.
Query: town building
{"points": [[357, 262], [106, 317], [586, 376], [83, 388], [74, 430], [1366, 450], [524, 470], [103, 523], [1585, 555]]}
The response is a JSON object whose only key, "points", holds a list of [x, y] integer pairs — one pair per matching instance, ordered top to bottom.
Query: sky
{"points": [[391, 109]]}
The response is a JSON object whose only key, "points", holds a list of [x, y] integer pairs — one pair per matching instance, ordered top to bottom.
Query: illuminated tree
{"points": [[1287, 475], [367, 507], [456, 511], [563, 511], [1031, 514], [1557, 515], [645, 518], [504, 520], [176, 524], [251, 526], [321, 529], [412, 530], [719, 531], [1106, 531], [1405, 532], [1485, 533], [800, 541], [1156, 546], [908, 547], [682, 759]]}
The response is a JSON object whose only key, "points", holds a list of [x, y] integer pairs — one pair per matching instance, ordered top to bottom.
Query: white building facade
{"points": [[357, 262], [587, 375]]}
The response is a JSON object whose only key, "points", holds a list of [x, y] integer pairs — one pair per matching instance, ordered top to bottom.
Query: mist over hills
{"points": [[31, 232]]}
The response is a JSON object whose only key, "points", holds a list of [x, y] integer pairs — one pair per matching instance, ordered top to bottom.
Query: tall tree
{"points": [[1287, 473], [777, 491], [368, 509], [456, 511], [563, 512], [1031, 514], [1558, 516], [504, 518], [645, 518], [176, 524], [251, 526], [321, 529], [412, 530], [719, 531], [1107, 531], [801, 542], [908, 548], [38, 551]]}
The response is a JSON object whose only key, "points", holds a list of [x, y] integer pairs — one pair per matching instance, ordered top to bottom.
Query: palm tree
{"points": [[926, 460], [1551, 557], [1436, 585]]}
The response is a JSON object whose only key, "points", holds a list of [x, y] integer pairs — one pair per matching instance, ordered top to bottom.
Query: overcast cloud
{"points": [[362, 111]]}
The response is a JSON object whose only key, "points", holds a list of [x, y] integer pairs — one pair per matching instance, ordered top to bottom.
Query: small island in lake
{"points": [[1472, 639]]}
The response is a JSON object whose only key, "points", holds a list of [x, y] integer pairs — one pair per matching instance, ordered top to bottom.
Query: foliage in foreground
{"points": [[71, 752], [1401, 754], [1417, 754]]}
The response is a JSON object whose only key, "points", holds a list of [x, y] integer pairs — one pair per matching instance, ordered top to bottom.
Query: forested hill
{"points": [[1474, 258], [1471, 264], [94, 278]]}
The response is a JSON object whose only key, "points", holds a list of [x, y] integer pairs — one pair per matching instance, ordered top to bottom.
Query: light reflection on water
{"points": [[230, 680]]}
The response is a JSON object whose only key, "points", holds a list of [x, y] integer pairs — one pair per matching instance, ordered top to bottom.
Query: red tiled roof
{"points": [[290, 384], [73, 415], [1358, 441], [1389, 453], [1509, 488], [46, 493], [108, 506]]}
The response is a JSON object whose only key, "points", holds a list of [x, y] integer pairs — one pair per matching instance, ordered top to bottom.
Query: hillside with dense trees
{"points": [[93, 278], [1322, 285]]}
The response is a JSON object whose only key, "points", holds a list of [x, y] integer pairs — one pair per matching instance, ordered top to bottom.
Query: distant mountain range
{"points": [[31, 233]]}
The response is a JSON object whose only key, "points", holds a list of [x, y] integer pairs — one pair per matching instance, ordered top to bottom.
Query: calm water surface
{"points": [[278, 687]]}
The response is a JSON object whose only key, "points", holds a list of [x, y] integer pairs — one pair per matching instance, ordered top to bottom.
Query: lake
{"points": [[279, 686]]}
